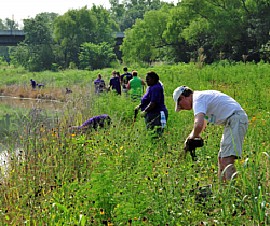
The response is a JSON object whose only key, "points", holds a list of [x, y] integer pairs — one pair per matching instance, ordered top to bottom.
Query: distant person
{"points": [[118, 75], [125, 78], [33, 84], [115, 84], [40, 85], [100, 85], [136, 86], [68, 91], [152, 104], [219, 109], [99, 121]]}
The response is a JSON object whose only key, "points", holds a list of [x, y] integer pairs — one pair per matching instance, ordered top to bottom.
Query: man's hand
{"points": [[137, 108], [143, 113], [191, 145]]}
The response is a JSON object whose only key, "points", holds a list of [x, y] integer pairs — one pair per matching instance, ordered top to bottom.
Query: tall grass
{"points": [[120, 176]]}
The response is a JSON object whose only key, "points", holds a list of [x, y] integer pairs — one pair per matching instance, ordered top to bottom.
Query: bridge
{"points": [[11, 37]]}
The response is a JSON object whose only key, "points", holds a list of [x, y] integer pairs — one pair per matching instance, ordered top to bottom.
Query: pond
{"points": [[17, 114]]}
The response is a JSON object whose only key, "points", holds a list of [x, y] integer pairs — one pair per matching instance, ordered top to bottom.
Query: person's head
{"points": [[125, 69], [114, 73], [118, 73], [134, 73], [99, 76], [152, 78], [182, 97]]}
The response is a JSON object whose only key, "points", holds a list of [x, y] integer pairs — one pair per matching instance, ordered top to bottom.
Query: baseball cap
{"points": [[176, 94]]}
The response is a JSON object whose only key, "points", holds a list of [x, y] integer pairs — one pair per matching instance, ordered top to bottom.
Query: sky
{"points": [[23, 9]]}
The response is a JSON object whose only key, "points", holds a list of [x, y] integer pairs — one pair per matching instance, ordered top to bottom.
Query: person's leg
{"points": [[231, 145], [226, 168]]}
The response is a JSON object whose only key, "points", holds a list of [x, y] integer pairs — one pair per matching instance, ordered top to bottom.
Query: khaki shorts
{"points": [[233, 137]]}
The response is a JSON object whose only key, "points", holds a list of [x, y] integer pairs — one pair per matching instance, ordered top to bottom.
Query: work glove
{"points": [[191, 145]]}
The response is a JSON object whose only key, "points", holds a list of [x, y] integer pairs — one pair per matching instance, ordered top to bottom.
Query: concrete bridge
{"points": [[11, 37]]}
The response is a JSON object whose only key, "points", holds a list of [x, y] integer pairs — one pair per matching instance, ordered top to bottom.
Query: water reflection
{"points": [[29, 103], [16, 113], [18, 116]]}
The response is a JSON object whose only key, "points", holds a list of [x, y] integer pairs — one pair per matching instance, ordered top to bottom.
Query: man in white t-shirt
{"points": [[220, 109]]}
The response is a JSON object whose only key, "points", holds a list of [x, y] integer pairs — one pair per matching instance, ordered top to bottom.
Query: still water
{"points": [[15, 115]]}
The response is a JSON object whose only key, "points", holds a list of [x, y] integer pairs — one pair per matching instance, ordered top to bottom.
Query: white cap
{"points": [[176, 94]]}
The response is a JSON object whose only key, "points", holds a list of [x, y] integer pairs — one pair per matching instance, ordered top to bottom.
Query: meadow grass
{"points": [[121, 176]]}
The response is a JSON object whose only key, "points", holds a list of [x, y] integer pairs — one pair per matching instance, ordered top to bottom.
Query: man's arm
{"points": [[128, 85], [198, 127]]}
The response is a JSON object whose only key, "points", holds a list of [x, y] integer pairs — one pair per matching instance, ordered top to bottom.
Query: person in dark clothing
{"points": [[125, 78], [33, 83], [115, 83], [39, 85], [68, 91], [152, 105], [99, 121]]}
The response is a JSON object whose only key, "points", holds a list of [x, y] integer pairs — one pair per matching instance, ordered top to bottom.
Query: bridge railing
{"points": [[12, 32]]}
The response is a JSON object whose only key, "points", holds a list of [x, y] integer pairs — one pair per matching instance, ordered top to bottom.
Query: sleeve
{"points": [[199, 106]]}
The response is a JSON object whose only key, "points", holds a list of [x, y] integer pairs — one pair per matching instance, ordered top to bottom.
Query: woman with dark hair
{"points": [[152, 104]]}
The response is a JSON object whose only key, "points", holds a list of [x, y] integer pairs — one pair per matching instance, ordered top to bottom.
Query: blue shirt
{"points": [[115, 84], [99, 85], [154, 94], [95, 121]]}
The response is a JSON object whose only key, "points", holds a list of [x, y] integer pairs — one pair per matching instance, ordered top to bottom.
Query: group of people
{"points": [[127, 82], [34, 84], [208, 106]]}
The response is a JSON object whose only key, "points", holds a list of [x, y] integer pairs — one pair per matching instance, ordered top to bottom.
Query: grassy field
{"points": [[120, 176]]}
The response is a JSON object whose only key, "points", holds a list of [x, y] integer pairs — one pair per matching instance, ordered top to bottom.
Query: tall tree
{"points": [[127, 12], [79, 26], [145, 41], [39, 42]]}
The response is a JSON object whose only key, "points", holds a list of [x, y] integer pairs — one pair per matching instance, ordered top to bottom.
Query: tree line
{"points": [[193, 30]]}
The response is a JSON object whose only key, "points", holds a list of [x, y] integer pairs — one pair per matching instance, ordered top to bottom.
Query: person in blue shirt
{"points": [[33, 83], [115, 83], [100, 85], [152, 105], [95, 122]]}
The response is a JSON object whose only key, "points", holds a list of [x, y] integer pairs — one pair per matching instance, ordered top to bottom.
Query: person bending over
{"points": [[220, 109], [99, 121]]}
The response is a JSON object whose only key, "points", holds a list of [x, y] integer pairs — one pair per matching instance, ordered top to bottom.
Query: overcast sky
{"points": [[23, 9]]}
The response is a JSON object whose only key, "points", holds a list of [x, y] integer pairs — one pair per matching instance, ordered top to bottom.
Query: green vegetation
{"points": [[154, 31], [120, 176]]}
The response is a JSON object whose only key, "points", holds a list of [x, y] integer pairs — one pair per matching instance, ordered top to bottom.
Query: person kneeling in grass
{"points": [[220, 109], [99, 121]]}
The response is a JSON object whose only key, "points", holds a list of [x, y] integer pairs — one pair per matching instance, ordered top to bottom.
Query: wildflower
{"points": [[253, 119], [73, 134], [101, 211]]}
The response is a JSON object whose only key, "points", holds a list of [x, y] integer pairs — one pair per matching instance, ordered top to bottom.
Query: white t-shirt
{"points": [[216, 106]]}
